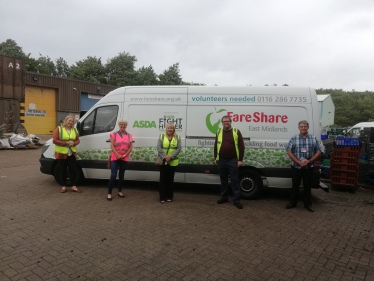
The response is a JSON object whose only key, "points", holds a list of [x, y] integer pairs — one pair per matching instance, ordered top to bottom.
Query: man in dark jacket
{"points": [[228, 156]]}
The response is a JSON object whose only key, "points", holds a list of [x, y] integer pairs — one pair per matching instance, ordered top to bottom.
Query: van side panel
{"points": [[148, 111]]}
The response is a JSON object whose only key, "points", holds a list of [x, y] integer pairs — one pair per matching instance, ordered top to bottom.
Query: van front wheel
{"points": [[250, 184]]}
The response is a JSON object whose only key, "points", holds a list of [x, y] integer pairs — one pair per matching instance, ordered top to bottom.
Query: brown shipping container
{"points": [[12, 78], [68, 90]]}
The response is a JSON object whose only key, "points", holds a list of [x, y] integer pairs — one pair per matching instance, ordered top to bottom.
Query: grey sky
{"points": [[319, 43]]}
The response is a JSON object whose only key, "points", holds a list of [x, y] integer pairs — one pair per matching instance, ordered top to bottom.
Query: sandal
{"points": [[63, 190], [76, 190], [162, 202]]}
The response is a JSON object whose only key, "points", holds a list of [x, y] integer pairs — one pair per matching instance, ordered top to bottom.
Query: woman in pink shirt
{"points": [[121, 145]]}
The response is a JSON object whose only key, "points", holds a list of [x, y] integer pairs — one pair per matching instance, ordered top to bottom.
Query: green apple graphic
{"points": [[213, 128]]}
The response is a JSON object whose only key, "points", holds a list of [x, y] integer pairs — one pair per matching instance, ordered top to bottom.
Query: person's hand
{"points": [[70, 143], [168, 158], [215, 162], [240, 163], [303, 164]]}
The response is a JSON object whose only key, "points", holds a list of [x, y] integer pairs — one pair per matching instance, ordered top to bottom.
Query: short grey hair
{"points": [[304, 122]]}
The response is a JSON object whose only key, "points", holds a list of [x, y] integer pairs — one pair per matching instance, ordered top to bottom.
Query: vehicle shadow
{"points": [[189, 188]]}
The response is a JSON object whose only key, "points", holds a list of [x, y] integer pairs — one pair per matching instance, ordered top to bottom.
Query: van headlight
{"points": [[44, 148]]}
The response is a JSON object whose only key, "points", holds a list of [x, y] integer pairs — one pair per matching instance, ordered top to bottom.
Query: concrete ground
{"points": [[46, 235]]}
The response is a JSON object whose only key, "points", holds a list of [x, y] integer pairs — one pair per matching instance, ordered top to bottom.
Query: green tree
{"points": [[11, 49], [31, 64], [46, 65], [62, 68], [90, 69], [120, 70], [146, 76], [171, 76], [194, 84], [351, 107]]}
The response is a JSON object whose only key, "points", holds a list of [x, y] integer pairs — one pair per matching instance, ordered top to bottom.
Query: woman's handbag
{"points": [[159, 160]]}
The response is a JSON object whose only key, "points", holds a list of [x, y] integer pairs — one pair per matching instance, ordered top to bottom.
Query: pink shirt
{"points": [[121, 144]]}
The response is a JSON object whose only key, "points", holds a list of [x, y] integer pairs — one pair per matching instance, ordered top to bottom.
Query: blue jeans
{"points": [[120, 166], [228, 167]]}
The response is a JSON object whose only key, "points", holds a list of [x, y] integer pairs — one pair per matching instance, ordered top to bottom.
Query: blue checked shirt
{"points": [[301, 147]]}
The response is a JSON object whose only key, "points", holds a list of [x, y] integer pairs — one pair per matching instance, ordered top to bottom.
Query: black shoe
{"points": [[122, 196], [109, 199], [222, 200], [238, 205], [290, 205], [309, 208]]}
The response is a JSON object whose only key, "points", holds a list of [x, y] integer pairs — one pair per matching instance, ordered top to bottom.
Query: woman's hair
{"points": [[66, 119], [121, 121], [166, 130]]}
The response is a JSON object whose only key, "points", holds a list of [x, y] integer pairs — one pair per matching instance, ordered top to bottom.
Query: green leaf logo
{"points": [[213, 128]]}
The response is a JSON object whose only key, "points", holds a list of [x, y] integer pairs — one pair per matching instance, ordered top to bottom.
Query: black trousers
{"points": [[70, 163], [167, 173], [305, 174]]}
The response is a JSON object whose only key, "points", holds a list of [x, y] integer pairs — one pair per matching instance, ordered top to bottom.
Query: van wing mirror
{"points": [[79, 128]]}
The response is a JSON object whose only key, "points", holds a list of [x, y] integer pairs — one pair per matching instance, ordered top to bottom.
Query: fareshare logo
{"points": [[213, 128]]}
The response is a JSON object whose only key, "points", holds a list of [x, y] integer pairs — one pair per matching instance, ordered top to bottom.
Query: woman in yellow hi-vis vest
{"points": [[66, 138], [168, 147]]}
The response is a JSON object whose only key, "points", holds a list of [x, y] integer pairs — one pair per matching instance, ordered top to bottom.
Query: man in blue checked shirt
{"points": [[303, 149]]}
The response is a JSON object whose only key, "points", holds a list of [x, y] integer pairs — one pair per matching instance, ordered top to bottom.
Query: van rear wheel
{"points": [[56, 173], [250, 184]]}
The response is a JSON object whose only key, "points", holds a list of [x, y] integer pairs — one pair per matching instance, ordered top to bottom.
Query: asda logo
{"points": [[144, 124], [213, 126]]}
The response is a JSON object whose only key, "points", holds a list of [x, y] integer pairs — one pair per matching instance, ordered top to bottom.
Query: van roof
{"points": [[364, 124]]}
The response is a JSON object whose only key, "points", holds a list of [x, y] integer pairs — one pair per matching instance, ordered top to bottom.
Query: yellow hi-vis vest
{"points": [[64, 136], [219, 141], [173, 146]]}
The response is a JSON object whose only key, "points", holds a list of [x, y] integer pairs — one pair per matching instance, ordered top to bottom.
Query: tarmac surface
{"points": [[47, 235]]}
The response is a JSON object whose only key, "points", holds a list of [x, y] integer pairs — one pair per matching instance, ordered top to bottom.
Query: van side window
{"points": [[101, 120], [354, 132]]}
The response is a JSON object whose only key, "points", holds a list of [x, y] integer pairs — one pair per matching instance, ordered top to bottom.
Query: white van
{"points": [[266, 116], [356, 129]]}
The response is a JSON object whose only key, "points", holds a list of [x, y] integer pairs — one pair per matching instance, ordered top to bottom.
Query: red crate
{"points": [[347, 148], [344, 153], [343, 160], [337, 166], [343, 174], [343, 181]]}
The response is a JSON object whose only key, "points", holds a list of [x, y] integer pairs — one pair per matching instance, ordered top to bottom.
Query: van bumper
{"points": [[46, 165]]}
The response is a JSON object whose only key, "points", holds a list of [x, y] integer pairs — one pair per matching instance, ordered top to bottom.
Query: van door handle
{"points": [[108, 140]]}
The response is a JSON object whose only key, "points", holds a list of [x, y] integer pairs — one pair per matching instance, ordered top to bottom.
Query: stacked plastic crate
{"points": [[344, 162], [370, 171]]}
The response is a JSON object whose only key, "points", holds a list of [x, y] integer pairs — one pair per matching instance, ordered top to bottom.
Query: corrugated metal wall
{"points": [[12, 78], [68, 90], [10, 112]]}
